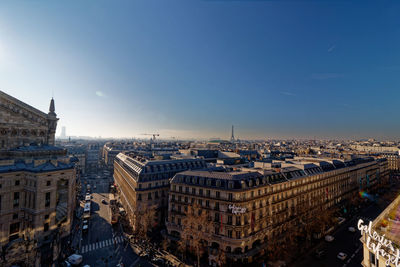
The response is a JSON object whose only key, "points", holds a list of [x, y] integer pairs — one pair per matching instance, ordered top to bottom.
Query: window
{"points": [[17, 182], [48, 183], [230, 185], [140, 186], [180, 189], [187, 190], [193, 191], [200, 192], [208, 193], [156, 194], [217, 194], [149, 196], [140, 197], [173, 197], [179, 198], [16, 199], [186, 199], [47, 200], [200, 202], [207, 203], [216, 206], [15, 216], [216, 217], [229, 219], [237, 220], [179, 221], [46, 227], [14, 228], [216, 230], [230, 233], [238, 234], [372, 259]]}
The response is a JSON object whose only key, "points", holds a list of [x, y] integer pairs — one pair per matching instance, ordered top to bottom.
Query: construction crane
{"points": [[153, 134]]}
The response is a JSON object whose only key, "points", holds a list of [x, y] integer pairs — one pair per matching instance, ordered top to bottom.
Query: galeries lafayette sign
{"points": [[236, 210], [381, 246]]}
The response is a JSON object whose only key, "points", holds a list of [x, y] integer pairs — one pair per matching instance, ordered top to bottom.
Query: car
{"points": [[87, 193], [103, 201], [351, 229], [329, 238], [319, 254], [342, 256], [75, 259], [158, 261], [66, 264]]}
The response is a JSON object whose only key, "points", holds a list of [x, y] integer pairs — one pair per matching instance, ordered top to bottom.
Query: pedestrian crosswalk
{"points": [[102, 244]]}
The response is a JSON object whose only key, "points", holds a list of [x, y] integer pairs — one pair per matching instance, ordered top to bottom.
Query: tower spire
{"points": [[52, 108], [232, 136]]}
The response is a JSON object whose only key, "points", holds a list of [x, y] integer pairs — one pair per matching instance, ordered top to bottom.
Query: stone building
{"points": [[92, 157], [37, 182], [143, 182], [249, 209], [381, 239]]}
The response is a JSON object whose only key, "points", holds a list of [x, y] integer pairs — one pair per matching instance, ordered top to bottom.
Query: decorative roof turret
{"points": [[52, 108]]}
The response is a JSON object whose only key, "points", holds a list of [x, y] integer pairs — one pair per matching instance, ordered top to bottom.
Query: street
{"points": [[345, 241], [103, 244]]}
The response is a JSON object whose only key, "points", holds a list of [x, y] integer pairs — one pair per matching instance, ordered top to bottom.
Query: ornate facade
{"points": [[142, 182], [37, 185], [247, 210]]}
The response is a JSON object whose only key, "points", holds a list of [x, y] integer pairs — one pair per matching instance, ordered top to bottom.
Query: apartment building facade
{"points": [[143, 182], [248, 209]]}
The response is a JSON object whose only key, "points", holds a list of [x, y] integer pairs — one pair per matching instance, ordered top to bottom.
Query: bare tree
{"points": [[145, 220], [195, 227]]}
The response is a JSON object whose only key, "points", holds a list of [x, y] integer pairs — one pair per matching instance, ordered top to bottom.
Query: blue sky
{"points": [[193, 68]]}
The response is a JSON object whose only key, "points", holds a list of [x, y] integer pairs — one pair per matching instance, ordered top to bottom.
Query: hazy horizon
{"points": [[191, 69]]}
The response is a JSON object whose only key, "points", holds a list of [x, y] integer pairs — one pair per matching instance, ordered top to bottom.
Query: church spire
{"points": [[52, 108]]}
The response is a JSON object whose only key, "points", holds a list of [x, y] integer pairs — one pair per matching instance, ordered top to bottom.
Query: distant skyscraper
{"points": [[63, 133], [233, 136]]}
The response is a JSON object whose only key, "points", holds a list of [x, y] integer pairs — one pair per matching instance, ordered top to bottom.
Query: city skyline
{"points": [[282, 70]]}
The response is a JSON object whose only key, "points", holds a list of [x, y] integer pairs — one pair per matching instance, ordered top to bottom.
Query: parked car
{"points": [[103, 201], [352, 229], [329, 238], [319, 254], [342, 256], [75, 259]]}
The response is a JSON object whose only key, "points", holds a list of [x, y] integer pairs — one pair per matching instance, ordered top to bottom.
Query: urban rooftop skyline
{"points": [[191, 69]]}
